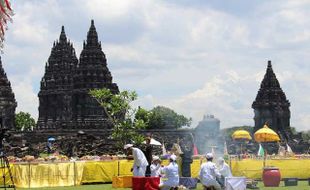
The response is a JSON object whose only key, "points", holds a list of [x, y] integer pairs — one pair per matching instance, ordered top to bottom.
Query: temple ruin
{"points": [[63, 97], [272, 107]]}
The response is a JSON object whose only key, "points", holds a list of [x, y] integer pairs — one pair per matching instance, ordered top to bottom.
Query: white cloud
{"points": [[110, 9], [222, 96], [26, 99]]}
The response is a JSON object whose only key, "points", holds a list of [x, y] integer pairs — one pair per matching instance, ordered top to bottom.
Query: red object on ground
{"points": [[271, 177], [145, 183]]}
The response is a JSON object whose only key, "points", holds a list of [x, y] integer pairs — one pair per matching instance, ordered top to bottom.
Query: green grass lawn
{"points": [[302, 185]]}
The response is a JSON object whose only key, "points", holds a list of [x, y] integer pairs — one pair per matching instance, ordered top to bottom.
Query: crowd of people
{"points": [[210, 174]]}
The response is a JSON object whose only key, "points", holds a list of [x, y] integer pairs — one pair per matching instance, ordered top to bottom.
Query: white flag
{"points": [[288, 148], [163, 149], [225, 149], [261, 151], [213, 152]]}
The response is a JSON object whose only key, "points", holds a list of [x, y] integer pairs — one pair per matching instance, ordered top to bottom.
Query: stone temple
{"points": [[7, 101], [64, 102], [272, 106], [207, 134]]}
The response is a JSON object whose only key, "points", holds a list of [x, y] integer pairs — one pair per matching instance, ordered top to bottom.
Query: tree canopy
{"points": [[120, 113], [162, 117], [24, 121], [306, 135]]}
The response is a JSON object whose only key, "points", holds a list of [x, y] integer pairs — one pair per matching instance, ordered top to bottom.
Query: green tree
{"points": [[120, 113], [143, 114], [163, 117], [24, 121], [294, 131], [306, 135]]}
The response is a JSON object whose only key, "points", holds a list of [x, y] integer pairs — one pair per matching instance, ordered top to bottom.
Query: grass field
{"points": [[302, 185]]}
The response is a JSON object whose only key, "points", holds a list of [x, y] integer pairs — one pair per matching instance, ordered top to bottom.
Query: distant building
{"points": [[7, 101], [64, 101], [271, 106], [207, 133]]}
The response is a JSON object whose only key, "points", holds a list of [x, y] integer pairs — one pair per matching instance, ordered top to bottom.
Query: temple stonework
{"points": [[7, 101], [64, 102], [271, 106], [207, 133]]}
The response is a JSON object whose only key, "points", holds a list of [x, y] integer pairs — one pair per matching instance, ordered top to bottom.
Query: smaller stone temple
{"points": [[7, 101], [271, 106], [207, 133]]}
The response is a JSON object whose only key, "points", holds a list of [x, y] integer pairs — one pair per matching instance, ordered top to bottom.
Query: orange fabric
{"points": [[122, 182]]}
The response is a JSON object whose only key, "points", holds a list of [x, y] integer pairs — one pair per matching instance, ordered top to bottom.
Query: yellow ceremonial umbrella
{"points": [[266, 134], [241, 135]]}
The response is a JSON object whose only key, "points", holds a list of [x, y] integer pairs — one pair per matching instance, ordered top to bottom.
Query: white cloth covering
{"points": [[128, 146], [209, 155], [173, 157], [140, 162], [171, 173], [208, 173], [235, 183]]}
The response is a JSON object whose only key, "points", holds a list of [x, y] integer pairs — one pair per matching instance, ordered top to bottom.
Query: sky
{"points": [[195, 56]]}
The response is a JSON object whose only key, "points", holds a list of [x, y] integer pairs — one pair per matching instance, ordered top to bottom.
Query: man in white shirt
{"points": [[140, 162], [155, 167], [171, 173], [208, 173]]}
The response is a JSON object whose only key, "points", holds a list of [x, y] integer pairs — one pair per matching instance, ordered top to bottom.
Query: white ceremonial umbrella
{"points": [[153, 142]]}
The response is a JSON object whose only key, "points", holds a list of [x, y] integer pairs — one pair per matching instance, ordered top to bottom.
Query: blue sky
{"points": [[196, 57]]}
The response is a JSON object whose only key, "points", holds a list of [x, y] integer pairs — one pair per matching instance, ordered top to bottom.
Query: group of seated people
{"points": [[209, 175]]}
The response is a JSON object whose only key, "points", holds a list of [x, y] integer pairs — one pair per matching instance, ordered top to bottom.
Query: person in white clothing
{"points": [[140, 162], [155, 167], [224, 168], [171, 173], [208, 173]]}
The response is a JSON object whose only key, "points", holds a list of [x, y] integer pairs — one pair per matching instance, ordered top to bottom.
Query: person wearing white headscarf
{"points": [[140, 162], [155, 167], [224, 168], [171, 173], [208, 173]]}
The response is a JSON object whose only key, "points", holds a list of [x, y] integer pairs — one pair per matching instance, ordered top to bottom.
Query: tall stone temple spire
{"points": [[92, 36], [62, 37], [92, 73], [55, 96], [64, 97], [7, 101], [271, 106]]}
